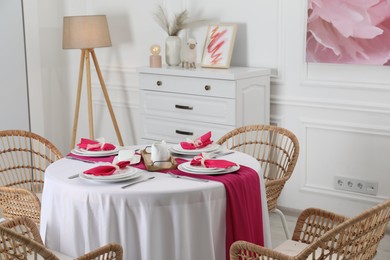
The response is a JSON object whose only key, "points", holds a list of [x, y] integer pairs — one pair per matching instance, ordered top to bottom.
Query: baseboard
{"points": [[290, 211]]}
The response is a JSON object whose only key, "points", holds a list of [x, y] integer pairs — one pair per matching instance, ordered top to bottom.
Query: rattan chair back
{"points": [[276, 149], [24, 157], [17, 202], [328, 236], [355, 238], [20, 239]]}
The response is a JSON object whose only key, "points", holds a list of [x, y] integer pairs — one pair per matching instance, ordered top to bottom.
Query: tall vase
{"points": [[172, 50]]}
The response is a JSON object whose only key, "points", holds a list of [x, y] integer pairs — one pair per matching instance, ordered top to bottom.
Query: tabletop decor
{"points": [[86, 33], [173, 42], [218, 47], [188, 54], [155, 58], [154, 166]]}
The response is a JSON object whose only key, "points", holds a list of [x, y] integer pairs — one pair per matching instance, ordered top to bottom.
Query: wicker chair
{"points": [[276, 149], [24, 157], [16, 202], [320, 234], [20, 239]]}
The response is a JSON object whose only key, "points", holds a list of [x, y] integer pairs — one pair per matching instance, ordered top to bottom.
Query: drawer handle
{"points": [[159, 83], [207, 87], [184, 107], [184, 132]]}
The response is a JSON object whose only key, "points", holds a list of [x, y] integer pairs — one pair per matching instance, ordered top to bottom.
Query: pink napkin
{"points": [[201, 142], [91, 145], [210, 163], [105, 170]]}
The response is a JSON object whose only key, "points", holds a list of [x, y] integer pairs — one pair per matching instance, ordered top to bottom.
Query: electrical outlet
{"points": [[355, 185]]}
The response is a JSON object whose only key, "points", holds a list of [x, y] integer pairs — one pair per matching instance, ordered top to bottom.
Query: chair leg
{"points": [[284, 223]]}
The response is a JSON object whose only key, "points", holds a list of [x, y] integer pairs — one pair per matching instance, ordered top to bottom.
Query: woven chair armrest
{"points": [[277, 182], [313, 223], [25, 227], [248, 251], [107, 252]]}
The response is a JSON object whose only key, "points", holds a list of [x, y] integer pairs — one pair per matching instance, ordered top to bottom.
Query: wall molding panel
{"points": [[348, 85], [345, 105], [341, 127]]}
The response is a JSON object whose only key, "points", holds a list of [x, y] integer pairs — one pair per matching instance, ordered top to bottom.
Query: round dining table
{"points": [[159, 219]]}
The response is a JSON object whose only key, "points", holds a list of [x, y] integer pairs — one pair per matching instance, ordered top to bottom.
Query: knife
{"points": [[78, 159], [74, 176], [186, 177], [130, 184]]}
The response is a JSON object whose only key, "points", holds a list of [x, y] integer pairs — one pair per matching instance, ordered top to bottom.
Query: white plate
{"points": [[210, 148], [83, 152], [133, 160], [182, 167], [125, 174]]}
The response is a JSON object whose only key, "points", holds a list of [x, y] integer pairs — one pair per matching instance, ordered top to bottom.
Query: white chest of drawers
{"points": [[177, 103]]}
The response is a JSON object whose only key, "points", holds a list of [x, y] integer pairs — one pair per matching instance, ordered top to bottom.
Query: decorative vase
{"points": [[172, 50]]}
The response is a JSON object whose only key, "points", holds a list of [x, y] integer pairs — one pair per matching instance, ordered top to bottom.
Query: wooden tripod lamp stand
{"points": [[86, 33]]}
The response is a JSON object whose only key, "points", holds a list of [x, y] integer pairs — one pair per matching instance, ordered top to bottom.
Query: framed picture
{"points": [[218, 47]]}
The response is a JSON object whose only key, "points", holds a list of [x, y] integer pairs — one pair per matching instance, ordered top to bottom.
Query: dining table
{"points": [[158, 219]]}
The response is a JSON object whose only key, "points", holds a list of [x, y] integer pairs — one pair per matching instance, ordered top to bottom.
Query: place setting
{"points": [[194, 147], [95, 148], [94, 151], [204, 153], [203, 165], [117, 169]]}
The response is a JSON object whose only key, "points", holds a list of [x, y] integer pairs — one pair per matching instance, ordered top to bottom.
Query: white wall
{"points": [[13, 80], [340, 113]]}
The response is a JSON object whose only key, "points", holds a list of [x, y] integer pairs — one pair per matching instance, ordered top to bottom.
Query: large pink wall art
{"points": [[348, 31]]}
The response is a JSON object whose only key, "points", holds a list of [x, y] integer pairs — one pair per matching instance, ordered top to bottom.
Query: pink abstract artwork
{"points": [[348, 32]]}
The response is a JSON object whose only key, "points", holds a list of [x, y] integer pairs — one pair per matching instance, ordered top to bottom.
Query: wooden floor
{"points": [[278, 235]]}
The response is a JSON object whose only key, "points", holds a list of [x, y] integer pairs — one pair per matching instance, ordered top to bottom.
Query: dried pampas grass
{"points": [[179, 22]]}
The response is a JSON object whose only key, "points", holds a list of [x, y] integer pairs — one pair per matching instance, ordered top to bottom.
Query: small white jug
{"points": [[159, 152]]}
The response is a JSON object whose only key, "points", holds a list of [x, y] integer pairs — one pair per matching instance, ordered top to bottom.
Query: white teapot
{"points": [[159, 152]]}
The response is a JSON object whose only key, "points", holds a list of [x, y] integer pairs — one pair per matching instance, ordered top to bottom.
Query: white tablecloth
{"points": [[162, 219]]}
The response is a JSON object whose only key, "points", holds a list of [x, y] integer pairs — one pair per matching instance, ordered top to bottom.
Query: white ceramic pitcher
{"points": [[159, 152]]}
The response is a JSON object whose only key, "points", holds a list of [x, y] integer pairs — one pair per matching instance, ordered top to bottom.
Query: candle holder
{"points": [[155, 58]]}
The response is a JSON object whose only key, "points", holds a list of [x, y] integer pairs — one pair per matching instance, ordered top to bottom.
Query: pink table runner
{"points": [[243, 204]]}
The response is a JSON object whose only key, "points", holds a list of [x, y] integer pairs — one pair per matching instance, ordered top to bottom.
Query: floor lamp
{"points": [[86, 33]]}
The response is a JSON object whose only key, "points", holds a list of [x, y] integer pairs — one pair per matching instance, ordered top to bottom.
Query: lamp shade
{"points": [[85, 32]]}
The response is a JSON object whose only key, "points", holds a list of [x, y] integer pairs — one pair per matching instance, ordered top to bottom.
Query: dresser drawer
{"points": [[188, 85], [191, 108], [174, 131]]}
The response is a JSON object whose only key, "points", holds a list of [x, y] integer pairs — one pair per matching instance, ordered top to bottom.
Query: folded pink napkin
{"points": [[201, 142], [91, 145], [211, 163], [105, 170]]}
